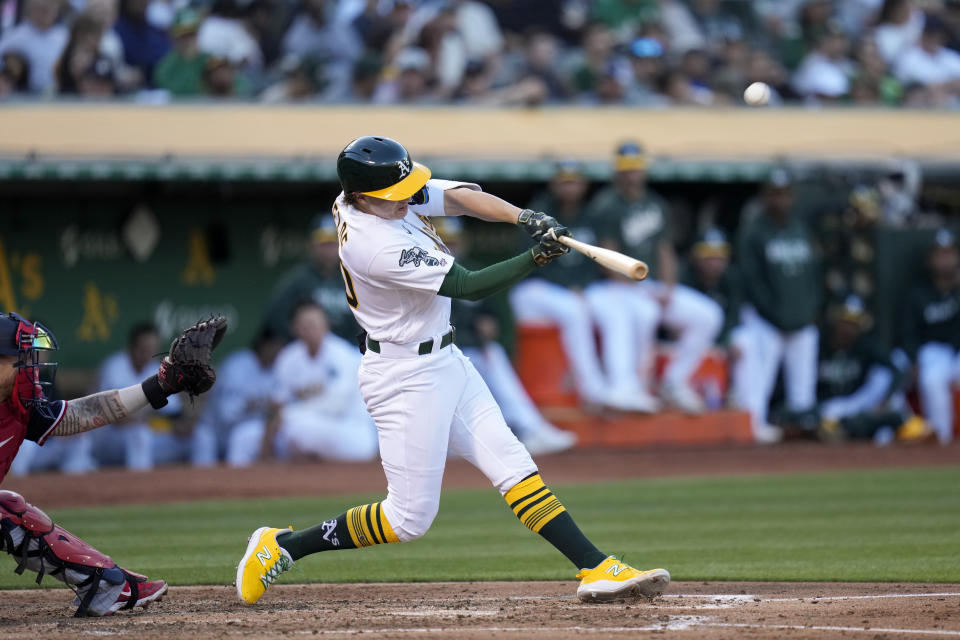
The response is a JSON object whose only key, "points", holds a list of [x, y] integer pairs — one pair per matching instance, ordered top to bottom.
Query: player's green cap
{"points": [[630, 157], [712, 243]]}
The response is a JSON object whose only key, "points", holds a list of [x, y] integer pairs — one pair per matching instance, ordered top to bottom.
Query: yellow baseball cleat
{"points": [[262, 564], [612, 579]]}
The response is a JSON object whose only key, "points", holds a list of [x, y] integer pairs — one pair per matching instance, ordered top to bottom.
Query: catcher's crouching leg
{"points": [[37, 544]]}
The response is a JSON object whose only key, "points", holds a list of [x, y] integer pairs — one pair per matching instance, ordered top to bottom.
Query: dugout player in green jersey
{"points": [[781, 273]]}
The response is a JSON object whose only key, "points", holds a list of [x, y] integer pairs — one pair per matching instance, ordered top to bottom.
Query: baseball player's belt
{"points": [[423, 348]]}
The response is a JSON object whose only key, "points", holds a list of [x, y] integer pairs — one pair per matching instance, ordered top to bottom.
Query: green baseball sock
{"points": [[563, 533], [326, 536]]}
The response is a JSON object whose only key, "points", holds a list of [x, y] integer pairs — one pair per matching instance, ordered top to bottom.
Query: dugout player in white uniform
{"points": [[315, 390], [423, 393], [234, 419]]}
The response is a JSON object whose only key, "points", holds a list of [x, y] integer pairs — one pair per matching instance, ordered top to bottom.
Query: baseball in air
{"points": [[757, 94]]}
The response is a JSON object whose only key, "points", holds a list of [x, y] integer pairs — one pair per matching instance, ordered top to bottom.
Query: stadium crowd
{"points": [[648, 53], [791, 288]]}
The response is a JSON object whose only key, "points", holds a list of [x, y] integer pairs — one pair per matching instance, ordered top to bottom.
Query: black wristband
{"points": [[156, 396]]}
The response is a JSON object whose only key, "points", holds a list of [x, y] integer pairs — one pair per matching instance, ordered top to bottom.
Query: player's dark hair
{"points": [[352, 198], [304, 304], [139, 330], [264, 335]]}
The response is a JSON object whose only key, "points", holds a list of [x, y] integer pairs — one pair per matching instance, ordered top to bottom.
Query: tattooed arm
{"points": [[99, 409]]}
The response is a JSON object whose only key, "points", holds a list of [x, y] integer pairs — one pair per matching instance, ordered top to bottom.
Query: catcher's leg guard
{"points": [[39, 545]]}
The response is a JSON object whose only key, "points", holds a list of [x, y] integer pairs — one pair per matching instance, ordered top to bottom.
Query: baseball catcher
{"points": [[26, 532]]}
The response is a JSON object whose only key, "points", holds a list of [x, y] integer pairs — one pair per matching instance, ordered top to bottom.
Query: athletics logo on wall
{"points": [[416, 255]]}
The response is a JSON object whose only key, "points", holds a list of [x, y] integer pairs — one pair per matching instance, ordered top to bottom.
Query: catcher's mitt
{"points": [[187, 366]]}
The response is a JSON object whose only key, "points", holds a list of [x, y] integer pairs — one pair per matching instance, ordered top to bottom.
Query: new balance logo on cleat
{"points": [[264, 556], [615, 569]]}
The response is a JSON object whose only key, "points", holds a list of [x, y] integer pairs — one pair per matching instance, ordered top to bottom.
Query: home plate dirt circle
{"points": [[477, 610]]}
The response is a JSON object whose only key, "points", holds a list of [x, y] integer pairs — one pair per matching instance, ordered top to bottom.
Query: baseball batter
{"points": [[424, 395], [26, 532]]}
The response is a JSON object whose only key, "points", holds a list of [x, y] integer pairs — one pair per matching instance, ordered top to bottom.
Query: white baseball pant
{"points": [[538, 301], [628, 315], [769, 346], [938, 368], [425, 406]]}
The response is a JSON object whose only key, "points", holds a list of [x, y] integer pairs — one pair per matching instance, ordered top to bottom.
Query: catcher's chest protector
{"points": [[12, 433]]}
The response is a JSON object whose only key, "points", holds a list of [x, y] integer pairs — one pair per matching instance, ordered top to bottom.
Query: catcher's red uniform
{"points": [[16, 426]]}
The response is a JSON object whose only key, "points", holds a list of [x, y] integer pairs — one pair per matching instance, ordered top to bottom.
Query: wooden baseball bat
{"points": [[613, 260]]}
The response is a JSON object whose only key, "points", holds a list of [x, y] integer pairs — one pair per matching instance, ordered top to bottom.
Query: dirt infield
{"points": [[172, 484], [477, 610], [471, 611]]}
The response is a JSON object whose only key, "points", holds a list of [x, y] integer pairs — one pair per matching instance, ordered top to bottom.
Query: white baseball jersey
{"points": [[393, 268]]}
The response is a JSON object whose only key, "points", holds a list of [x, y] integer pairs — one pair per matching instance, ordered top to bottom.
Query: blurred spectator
{"points": [[104, 13], [625, 16], [477, 25], [898, 28], [228, 32], [314, 33], [39, 40], [442, 41], [144, 45], [542, 52], [79, 55], [646, 56], [594, 59], [931, 64], [181, 71], [825, 72], [14, 74], [222, 80], [364, 80], [98, 81], [302, 81], [411, 81], [873, 82], [631, 218], [776, 253], [317, 279], [554, 294], [478, 330], [931, 332], [858, 386], [317, 405], [234, 420], [148, 437]]}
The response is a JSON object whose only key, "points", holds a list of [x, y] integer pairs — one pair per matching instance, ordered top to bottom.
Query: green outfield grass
{"points": [[894, 525]]}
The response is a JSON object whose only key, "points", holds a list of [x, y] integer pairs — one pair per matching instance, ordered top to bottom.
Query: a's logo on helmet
{"points": [[405, 167]]}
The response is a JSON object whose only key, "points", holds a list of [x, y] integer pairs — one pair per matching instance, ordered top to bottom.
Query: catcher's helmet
{"points": [[381, 168], [24, 339]]}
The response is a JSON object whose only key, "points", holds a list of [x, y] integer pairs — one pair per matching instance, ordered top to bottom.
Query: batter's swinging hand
{"points": [[399, 278]]}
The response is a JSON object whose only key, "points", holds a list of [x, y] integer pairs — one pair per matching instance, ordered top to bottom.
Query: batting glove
{"points": [[537, 223], [549, 247]]}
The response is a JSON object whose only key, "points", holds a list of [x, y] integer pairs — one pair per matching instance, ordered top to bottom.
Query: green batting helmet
{"points": [[381, 168]]}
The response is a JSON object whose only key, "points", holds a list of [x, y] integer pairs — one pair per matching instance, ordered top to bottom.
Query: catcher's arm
{"points": [[185, 368], [100, 409]]}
